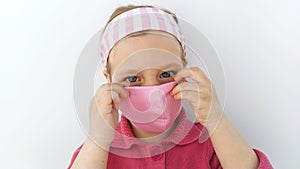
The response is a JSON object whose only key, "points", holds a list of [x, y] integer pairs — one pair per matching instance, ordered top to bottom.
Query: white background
{"points": [[40, 42]]}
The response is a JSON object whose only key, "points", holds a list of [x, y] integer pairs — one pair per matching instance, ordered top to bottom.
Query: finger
{"points": [[194, 73], [184, 86], [190, 86], [119, 88], [192, 96], [204, 96], [108, 97], [116, 99]]}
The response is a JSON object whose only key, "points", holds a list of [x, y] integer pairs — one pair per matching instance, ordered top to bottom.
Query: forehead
{"points": [[154, 40]]}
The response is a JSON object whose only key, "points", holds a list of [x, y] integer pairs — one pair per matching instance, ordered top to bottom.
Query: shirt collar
{"points": [[184, 133]]}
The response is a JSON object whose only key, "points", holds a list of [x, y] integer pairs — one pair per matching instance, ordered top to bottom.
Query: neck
{"points": [[152, 137]]}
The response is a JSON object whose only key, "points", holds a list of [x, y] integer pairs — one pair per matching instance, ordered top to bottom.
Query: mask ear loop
{"points": [[108, 78]]}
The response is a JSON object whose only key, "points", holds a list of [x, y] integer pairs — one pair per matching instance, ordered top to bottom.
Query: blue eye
{"points": [[167, 74], [132, 79]]}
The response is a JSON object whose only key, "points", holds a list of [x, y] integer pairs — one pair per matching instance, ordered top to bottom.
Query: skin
{"points": [[231, 149]]}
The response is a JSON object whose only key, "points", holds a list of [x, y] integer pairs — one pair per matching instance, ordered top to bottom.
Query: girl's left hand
{"points": [[200, 94]]}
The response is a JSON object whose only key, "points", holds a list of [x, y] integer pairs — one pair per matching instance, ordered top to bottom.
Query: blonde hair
{"points": [[123, 9]]}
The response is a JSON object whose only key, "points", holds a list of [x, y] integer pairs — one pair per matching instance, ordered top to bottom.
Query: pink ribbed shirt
{"points": [[175, 152]]}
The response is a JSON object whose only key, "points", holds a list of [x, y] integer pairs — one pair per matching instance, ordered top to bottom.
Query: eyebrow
{"points": [[171, 65]]}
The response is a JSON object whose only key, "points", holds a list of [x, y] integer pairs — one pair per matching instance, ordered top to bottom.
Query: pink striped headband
{"points": [[135, 20]]}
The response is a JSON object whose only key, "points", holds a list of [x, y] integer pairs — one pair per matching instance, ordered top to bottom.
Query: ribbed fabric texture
{"points": [[135, 20], [181, 150]]}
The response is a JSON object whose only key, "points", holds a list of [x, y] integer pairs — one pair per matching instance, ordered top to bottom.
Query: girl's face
{"points": [[145, 60]]}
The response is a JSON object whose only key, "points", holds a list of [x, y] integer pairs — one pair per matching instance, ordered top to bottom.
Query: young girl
{"points": [[144, 52]]}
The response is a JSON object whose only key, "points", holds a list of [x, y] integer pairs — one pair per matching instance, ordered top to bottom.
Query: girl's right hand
{"points": [[103, 113]]}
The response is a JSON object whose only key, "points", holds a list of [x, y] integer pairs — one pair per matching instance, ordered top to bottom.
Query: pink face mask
{"points": [[151, 108]]}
